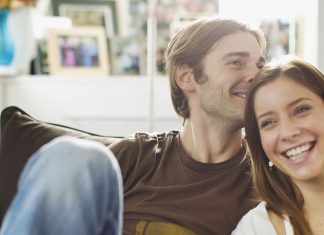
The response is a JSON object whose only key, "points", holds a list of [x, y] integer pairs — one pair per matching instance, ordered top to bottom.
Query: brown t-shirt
{"points": [[167, 192]]}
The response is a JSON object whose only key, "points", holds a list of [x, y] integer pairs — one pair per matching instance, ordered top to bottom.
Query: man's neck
{"points": [[209, 144]]}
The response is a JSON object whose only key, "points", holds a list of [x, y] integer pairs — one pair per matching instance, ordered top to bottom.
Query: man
{"points": [[196, 181], [190, 182]]}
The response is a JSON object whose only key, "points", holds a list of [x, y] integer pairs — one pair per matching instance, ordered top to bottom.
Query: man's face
{"points": [[229, 68]]}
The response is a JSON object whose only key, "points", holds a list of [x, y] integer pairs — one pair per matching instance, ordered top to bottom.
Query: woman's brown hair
{"points": [[273, 186]]}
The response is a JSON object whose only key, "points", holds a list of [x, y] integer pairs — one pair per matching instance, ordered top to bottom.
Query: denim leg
{"points": [[69, 186]]}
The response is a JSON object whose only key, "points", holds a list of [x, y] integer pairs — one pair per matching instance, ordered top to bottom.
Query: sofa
{"points": [[21, 136]]}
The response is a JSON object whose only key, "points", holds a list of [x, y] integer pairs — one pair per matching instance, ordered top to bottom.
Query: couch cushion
{"points": [[21, 136]]}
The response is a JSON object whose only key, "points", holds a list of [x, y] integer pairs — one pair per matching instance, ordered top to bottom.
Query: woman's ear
{"points": [[185, 78]]}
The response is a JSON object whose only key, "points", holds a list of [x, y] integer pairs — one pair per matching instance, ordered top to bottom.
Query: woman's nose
{"points": [[289, 130]]}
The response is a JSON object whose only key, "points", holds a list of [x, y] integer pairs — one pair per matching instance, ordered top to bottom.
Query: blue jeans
{"points": [[69, 186]]}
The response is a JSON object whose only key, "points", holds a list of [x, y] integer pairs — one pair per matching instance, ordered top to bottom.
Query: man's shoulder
{"points": [[155, 136], [140, 140], [140, 150]]}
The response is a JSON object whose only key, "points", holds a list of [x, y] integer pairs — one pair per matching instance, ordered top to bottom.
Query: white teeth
{"points": [[240, 94], [297, 151]]}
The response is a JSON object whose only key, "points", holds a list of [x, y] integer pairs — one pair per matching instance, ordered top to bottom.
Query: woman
{"points": [[285, 133]]}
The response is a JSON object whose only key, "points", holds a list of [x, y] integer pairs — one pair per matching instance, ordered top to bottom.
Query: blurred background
{"points": [[98, 65]]}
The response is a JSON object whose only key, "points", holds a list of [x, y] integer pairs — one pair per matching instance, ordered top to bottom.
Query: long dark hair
{"points": [[273, 186]]}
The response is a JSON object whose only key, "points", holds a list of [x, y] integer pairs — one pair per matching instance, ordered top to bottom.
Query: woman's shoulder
{"points": [[254, 222]]}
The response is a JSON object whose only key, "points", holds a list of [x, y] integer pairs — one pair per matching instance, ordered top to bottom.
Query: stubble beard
{"points": [[224, 112], [227, 119], [233, 122]]}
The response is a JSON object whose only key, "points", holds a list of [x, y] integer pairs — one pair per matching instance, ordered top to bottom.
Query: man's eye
{"points": [[236, 62], [260, 65]]}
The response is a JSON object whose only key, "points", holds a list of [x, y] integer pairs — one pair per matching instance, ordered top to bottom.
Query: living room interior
{"points": [[120, 86]]}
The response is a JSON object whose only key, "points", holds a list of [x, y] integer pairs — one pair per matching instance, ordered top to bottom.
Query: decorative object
{"points": [[106, 9], [89, 15], [42, 25], [281, 36], [6, 41], [16, 42], [78, 51], [128, 55], [270, 164]]}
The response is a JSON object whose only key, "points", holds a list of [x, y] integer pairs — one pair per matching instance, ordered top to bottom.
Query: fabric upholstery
{"points": [[21, 136]]}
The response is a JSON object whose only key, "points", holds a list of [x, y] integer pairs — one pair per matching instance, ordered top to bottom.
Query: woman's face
{"points": [[291, 124]]}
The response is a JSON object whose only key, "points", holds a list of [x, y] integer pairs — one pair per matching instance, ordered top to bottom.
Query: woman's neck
{"points": [[313, 194]]}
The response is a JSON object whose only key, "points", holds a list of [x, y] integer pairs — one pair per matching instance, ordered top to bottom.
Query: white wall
{"points": [[321, 35], [115, 106]]}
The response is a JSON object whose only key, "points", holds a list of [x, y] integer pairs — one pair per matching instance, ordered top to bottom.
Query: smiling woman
{"points": [[285, 132]]}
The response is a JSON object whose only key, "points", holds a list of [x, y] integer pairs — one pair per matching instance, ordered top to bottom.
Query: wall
{"points": [[321, 35], [115, 106]]}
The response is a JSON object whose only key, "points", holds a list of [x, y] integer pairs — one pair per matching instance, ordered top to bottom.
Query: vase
{"points": [[6, 40]]}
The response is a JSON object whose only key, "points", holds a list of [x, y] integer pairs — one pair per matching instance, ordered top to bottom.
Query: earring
{"points": [[270, 164]]}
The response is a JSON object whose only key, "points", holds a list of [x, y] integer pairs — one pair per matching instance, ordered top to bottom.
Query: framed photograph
{"points": [[189, 9], [89, 13], [44, 25], [299, 28], [280, 35], [79, 50], [128, 55], [41, 62]]}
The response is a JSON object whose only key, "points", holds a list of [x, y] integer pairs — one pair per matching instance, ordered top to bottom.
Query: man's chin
{"points": [[237, 123]]}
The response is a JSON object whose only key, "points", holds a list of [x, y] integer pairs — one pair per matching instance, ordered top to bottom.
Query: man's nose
{"points": [[251, 73]]}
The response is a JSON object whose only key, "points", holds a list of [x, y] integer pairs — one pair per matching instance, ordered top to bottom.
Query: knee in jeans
{"points": [[71, 150], [67, 159]]}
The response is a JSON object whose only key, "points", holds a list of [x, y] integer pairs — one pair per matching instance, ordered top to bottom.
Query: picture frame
{"points": [[106, 8], [192, 9], [89, 15], [44, 24], [299, 30], [280, 35], [78, 51], [128, 55], [41, 61]]}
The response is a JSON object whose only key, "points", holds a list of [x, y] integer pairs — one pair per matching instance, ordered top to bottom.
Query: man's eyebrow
{"points": [[238, 53], [241, 54]]}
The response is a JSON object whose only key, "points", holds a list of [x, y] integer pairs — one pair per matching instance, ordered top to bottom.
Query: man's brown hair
{"points": [[191, 45]]}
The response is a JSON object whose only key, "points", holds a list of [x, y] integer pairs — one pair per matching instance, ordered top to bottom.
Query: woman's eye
{"points": [[301, 109], [266, 123]]}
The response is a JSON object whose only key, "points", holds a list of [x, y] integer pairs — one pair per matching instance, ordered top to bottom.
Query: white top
{"points": [[257, 222]]}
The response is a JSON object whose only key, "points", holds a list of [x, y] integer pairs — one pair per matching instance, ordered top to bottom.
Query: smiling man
{"points": [[195, 181], [189, 182]]}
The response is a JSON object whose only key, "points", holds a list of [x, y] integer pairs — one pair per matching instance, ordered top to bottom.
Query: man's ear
{"points": [[185, 78]]}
